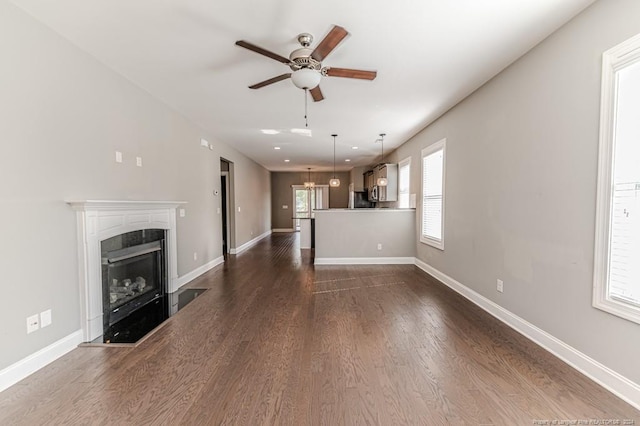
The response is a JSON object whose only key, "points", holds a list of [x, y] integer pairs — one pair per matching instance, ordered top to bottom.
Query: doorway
{"points": [[225, 192], [302, 200], [305, 200]]}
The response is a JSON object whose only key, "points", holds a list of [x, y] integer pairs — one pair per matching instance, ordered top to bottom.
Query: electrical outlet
{"points": [[118, 157], [139, 161], [218, 210], [182, 212], [379, 246], [195, 255], [500, 286], [45, 318], [33, 323]]}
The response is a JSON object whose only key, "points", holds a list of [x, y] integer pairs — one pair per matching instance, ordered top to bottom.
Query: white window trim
{"points": [[613, 60], [441, 144], [405, 162]]}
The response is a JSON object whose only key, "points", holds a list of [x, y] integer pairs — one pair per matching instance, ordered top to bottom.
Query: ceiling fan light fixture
{"points": [[306, 78]]}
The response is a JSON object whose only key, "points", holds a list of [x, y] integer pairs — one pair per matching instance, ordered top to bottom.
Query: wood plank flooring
{"points": [[277, 341]]}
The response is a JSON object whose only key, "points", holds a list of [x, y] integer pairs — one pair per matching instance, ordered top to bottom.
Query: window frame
{"points": [[613, 60], [435, 147], [401, 164]]}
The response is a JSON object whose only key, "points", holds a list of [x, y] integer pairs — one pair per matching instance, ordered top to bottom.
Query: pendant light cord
{"points": [[306, 123], [334, 156]]}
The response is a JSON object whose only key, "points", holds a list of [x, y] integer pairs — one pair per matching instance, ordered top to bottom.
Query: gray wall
{"points": [[63, 116], [356, 178], [521, 186], [281, 193], [356, 233]]}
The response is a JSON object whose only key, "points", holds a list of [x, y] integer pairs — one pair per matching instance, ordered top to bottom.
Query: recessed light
{"points": [[270, 131], [303, 132], [276, 147], [354, 147], [347, 160], [286, 161]]}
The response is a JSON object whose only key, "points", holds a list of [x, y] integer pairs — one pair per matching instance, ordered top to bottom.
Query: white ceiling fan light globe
{"points": [[306, 78]]}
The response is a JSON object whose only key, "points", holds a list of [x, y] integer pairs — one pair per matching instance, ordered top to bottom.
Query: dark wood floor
{"points": [[279, 341]]}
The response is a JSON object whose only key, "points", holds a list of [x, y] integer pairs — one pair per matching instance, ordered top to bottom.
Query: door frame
{"points": [[226, 202], [296, 222]]}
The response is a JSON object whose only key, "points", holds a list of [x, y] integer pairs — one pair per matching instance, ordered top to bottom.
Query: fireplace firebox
{"points": [[134, 284]]}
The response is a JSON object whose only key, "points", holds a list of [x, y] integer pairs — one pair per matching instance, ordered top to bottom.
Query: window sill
{"points": [[439, 244], [618, 308]]}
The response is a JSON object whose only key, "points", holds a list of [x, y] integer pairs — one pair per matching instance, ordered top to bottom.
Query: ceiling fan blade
{"points": [[329, 43], [262, 51], [349, 73], [271, 81], [316, 94]]}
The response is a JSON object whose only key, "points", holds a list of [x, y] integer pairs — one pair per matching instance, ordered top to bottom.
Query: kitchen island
{"points": [[365, 236]]}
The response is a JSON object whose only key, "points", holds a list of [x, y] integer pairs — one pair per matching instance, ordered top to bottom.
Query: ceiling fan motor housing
{"points": [[301, 58]]}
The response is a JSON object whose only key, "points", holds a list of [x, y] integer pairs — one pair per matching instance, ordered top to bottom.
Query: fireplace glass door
{"points": [[133, 276], [133, 288]]}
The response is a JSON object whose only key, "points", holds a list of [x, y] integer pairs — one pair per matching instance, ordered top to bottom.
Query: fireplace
{"points": [[109, 231], [134, 284]]}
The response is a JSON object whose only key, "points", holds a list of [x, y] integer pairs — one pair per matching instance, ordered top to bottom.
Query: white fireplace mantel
{"points": [[102, 219]]}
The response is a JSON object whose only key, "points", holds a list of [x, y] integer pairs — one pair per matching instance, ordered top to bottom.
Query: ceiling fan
{"points": [[306, 63]]}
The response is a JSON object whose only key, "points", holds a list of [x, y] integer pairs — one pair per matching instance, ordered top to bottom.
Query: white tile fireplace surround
{"points": [[102, 219]]}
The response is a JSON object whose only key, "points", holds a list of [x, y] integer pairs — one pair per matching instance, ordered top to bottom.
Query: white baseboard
{"points": [[282, 230], [249, 244], [364, 260], [190, 276], [32, 363], [29, 365], [601, 374]]}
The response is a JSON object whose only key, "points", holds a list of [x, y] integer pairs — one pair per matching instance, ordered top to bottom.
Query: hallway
{"points": [[278, 341]]}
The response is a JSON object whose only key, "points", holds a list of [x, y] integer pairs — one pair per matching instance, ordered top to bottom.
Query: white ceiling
{"points": [[429, 55]]}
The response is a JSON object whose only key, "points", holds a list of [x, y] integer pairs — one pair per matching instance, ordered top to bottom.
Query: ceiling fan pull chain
{"points": [[306, 122]]}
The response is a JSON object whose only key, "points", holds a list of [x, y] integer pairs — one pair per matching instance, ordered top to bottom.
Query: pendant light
{"points": [[382, 181], [334, 182], [308, 184]]}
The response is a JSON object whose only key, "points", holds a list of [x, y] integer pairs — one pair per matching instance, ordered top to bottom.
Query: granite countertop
{"points": [[365, 210]]}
